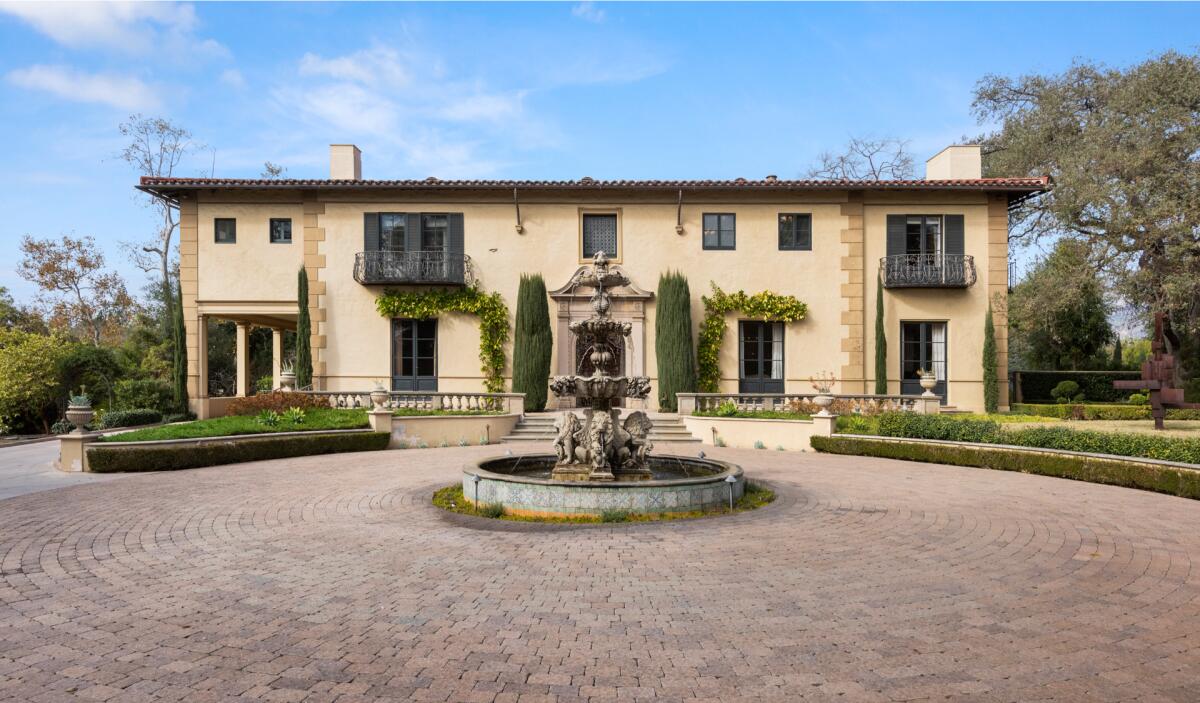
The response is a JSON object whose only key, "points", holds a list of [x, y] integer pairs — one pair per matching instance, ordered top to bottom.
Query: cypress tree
{"points": [[673, 339], [179, 342], [532, 342], [1118, 362], [303, 368], [881, 377], [991, 384]]}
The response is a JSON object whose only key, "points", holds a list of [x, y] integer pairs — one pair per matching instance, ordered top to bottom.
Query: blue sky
{"points": [[535, 90]]}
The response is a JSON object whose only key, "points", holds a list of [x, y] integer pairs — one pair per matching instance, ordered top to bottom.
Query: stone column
{"points": [[242, 355], [276, 355], [202, 356], [824, 426], [72, 451]]}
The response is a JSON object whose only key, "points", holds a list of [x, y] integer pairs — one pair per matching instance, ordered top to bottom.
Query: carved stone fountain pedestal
{"points": [[598, 446]]}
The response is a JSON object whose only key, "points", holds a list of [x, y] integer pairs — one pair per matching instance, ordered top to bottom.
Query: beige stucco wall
{"points": [[836, 279]]}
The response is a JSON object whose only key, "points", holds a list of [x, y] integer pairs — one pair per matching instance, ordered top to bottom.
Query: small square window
{"points": [[225, 230], [281, 230], [720, 230], [795, 232], [600, 234]]}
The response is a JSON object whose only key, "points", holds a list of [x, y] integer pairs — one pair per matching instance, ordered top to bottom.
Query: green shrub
{"points": [[673, 339], [532, 342], [264, 384], [1097, 387], [1066, 392], [146, 393], [1138, 399], [726, 409], [1089, 412], [294, 416], [179, 417], [130, 418], [268, 418], [858, 424], [62, 426], [918, 426], [1136, 444], [111, 458], [1118, 472], [492, 510], [614, 515]]}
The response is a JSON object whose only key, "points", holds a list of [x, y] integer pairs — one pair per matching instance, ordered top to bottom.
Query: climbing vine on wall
{"points": [[760, 306], [489, 307]]}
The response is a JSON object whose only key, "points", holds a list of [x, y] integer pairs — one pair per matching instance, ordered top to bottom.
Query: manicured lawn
{"points": [[317, 419]]}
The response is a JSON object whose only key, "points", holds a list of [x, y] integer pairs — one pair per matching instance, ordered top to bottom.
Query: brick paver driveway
{"points": [[326, 579]]}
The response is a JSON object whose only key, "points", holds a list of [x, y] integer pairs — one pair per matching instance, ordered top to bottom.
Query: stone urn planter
{"points": [[287, 377], [928, 382], [379, 396], [823, 402], [79, 411]]}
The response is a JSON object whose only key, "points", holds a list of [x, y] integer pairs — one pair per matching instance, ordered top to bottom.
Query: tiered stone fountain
{"points": [[600, 447], [601, 462]]}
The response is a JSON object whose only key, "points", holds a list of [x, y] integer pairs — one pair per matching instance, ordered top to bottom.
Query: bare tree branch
{"points": [[866, 159]]}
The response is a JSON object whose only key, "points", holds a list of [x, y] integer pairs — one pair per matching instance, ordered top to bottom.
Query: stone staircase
{"points": [[539, 427]]}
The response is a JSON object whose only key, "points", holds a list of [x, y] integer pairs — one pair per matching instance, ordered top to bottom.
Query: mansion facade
{"points": [[937, 246]]}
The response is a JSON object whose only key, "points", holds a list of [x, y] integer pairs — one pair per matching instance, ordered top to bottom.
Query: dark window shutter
{"points": [[953, 225], [370, 231], [412, 232], [895, 234], [454, 243]]}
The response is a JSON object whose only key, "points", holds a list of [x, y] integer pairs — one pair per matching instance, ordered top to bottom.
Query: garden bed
{"points": [[1099, 411], [235, 425], [1048, 436], [170, 455], [1146, 474]]}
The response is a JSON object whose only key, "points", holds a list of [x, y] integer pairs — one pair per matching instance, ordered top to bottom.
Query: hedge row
{"points": [[1036, 385], [1076, 411], [130, 418], [1133, 444], [169, 457], [1117, 472]]}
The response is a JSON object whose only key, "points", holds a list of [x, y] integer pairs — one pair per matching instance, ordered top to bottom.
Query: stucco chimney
{"points": [[961, 161], [345, 162]]}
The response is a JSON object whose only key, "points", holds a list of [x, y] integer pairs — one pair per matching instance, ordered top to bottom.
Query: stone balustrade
{"points": [[507, 403], [802, 403]]}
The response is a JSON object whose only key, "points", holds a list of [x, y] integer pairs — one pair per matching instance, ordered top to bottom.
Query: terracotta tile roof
{"points": [[1000, 184]]}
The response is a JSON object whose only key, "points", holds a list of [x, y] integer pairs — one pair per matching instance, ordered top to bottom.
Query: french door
{"points": [[922, 348], [414, 355], [760, 357]]}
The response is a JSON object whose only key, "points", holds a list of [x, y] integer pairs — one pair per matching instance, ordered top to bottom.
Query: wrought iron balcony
{"points": [[412, 267], [927, 271]]}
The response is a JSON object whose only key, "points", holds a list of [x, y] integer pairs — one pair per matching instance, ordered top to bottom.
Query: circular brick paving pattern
{"points": [[332, 578]]}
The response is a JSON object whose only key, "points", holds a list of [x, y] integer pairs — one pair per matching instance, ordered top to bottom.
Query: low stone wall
{"points": [[451, 430], [742, 433]]}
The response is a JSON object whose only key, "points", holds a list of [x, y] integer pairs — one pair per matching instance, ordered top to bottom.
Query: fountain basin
{"points": [[680, 484]]}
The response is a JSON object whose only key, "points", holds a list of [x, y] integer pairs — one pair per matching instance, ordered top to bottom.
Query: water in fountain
{"points": [[598, 446]]}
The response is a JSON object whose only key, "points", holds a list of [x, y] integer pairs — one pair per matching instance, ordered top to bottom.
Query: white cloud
{"points": [[588, 11], [131, 27], [377, 66], [233, 78], [124, 92]]}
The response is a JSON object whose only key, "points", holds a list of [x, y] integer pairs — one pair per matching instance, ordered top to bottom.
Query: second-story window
{"points": [[225, 230], [281, 230], [391, 231], [720, 231], [433, 232], [795, 232], [600, 234], [923, 234]]}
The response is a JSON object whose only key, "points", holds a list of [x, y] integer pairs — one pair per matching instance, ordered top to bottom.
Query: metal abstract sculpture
{"points": [[1159, 373], [599, 447]]}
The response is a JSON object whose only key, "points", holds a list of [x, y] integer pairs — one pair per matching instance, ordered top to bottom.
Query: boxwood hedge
{"points": [[1086, 411], [130, 418], [922, 426], [112, 458], [1175, 481]]}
